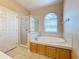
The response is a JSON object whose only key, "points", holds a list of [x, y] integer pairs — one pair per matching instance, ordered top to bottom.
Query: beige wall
{"points": [[11, 4], [57, 8], [71, 11]]}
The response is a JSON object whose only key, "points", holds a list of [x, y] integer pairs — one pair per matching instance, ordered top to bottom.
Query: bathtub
{"points": [[42, 38], [50, 39]]}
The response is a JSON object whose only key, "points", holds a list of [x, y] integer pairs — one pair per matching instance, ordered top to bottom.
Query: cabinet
{"points": [[33, 47], [41, 49], [53, 52], [63, 54]]}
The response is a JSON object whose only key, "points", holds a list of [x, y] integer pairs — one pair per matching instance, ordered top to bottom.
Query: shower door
{"points": [[24, 29]]}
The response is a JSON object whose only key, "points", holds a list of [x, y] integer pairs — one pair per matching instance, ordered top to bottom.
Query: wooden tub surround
{"points": [[53, 52]]}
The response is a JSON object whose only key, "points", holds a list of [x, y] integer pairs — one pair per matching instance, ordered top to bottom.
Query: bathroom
{"points": [[39, 29], [48, 36]]}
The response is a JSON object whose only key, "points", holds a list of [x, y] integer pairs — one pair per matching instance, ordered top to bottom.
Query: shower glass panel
{"points": [[34, 24], [24, 30]]}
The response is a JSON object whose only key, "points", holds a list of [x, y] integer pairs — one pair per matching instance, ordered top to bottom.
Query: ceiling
{"points": [[34, 4]]}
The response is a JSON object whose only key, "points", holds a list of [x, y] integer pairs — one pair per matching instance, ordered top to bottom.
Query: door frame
{"points": [[19, 33]]}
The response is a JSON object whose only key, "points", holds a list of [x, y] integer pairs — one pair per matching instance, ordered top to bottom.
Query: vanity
{"points": [[53, 51]]}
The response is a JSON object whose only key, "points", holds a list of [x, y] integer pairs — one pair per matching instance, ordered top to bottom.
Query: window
{"points": [[33, 23], [50, 23]]}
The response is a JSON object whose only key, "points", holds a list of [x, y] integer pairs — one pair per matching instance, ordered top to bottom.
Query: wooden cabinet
{"points": [[33, 47], [41, 49], [51, 52], [63, 54]]}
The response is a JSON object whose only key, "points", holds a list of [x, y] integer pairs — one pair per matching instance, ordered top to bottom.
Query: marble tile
{"points": [[23, 53], [35, 56], [44, 57]]}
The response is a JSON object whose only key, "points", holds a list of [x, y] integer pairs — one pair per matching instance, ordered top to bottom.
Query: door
{"points": [[8, 29], [24, 30], [63, 54]]}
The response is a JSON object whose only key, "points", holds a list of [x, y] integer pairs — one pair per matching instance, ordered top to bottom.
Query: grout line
{"points": [[10, 50]]}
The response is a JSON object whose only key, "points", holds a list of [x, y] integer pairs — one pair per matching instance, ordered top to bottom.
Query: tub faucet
{"points": [[36, 39]]}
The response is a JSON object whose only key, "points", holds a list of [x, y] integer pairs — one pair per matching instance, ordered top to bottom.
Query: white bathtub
{"points": [[49, 39], [52, 41]]}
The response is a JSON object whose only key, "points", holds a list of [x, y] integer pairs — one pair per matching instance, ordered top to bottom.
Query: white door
{"points": [[8, 29], [24, 30]]}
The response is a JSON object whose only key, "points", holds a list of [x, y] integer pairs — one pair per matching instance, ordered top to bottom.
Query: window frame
{"points": [[44, 22]]}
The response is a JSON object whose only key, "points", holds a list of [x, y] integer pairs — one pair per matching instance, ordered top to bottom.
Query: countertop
{"points": [[64, 45], [4, 56]]}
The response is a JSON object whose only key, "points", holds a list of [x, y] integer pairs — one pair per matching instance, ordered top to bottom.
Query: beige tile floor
{"points": [[23, 53]]}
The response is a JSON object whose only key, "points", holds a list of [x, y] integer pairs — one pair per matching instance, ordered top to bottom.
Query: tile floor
{"points": [[23, 53]]}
